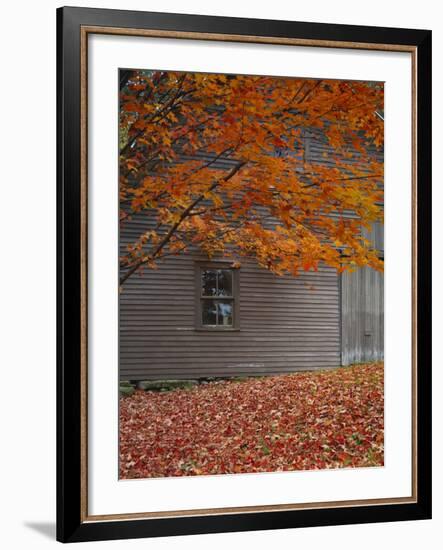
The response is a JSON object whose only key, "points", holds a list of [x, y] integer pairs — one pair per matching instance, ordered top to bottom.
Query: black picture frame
{"points": [[72, 525]]}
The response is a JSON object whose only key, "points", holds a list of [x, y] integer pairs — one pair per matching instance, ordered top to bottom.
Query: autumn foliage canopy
{"points": [[219, 163]]}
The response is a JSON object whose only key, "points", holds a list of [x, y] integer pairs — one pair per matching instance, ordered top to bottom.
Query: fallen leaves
{"points": [[300, 421]]}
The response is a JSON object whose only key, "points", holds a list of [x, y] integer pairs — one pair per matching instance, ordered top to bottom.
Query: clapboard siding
{"points": [[313, 321], [286, 324]]}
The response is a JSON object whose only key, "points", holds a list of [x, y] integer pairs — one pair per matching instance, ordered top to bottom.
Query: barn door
{"points": [[362, 320]]}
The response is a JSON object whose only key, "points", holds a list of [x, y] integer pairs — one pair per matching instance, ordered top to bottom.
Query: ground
{"points": [[300, 421]]}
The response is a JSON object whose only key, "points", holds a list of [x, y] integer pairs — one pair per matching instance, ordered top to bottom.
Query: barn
{"points": [[195, 317]]}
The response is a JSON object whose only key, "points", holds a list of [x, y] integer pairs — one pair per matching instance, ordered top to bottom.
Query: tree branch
{"points": [[177, 224]]}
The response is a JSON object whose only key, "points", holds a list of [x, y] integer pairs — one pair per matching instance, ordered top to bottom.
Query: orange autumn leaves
{"points": [[220, 163], [301, 421]]}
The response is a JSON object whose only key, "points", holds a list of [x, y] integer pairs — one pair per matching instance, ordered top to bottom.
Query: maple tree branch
{"points": [[310, 90], [294, 97], [151, 118], [155, 154], [166, 161], [209, 163], [371, 176], [210, 210], [175, 226]]}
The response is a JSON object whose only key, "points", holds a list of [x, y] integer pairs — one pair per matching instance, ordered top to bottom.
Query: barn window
{"points": [[217, 297]]}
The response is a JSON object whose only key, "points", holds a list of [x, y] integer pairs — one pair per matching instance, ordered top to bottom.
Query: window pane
{"points": [[224, 282], [209, 283], [209, 312], [224, 313]]}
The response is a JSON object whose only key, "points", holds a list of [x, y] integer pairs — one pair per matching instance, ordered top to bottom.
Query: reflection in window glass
{"points": [[224, 277], [209, 283], [217, 298], [209, 312], [224, 313]]}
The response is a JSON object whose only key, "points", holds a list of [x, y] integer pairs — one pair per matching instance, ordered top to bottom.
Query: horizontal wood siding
{"points": [[286, 324]]}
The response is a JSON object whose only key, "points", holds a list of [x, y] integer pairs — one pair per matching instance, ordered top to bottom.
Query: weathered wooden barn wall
{"points": [[362, 291], [362, 310], [362, 316], [317, 320], [286, 324]]}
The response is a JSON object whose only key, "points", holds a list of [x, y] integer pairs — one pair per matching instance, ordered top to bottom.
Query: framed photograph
{"points": [[244, 274]]}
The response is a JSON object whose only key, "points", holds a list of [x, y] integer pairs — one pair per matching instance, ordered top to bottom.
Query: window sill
{"points": [[209, 329]]}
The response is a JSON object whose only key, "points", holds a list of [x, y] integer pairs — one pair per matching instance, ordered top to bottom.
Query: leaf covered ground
{"points": [[301, 421]]}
